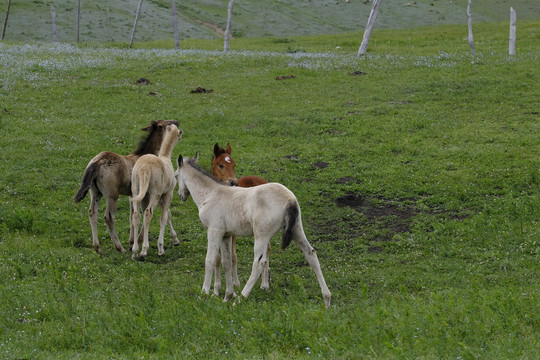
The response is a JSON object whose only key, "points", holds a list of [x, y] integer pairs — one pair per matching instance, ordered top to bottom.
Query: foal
{"points": [[223, 169], [109, 174], [153, 181], [260, 211]]}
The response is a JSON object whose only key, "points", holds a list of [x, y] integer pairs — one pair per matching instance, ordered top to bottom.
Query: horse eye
{"points": [[220, 166]]}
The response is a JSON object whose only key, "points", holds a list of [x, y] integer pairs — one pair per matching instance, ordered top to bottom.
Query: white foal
{"points": [[259, 211]]}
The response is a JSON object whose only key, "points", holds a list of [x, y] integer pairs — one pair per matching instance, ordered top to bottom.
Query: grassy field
{"points": [[30, 20], [417, 168]]}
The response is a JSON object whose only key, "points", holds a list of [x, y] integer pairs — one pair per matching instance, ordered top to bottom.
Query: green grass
{"points": [[30, 20], [418, 183]]}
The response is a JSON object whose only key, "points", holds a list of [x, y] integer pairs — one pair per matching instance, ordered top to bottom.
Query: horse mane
{"points": [[144, 140], [191, 162]]}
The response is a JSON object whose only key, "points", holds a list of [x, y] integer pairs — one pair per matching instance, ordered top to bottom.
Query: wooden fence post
{"points": [[53, 16], [5, 21], [135, 23], [175, 25], [228, 29], [367, 32], [471, 41], [512, 44]]}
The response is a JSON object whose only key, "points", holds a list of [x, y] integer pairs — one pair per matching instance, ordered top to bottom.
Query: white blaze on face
{"points": [[228, 159]]}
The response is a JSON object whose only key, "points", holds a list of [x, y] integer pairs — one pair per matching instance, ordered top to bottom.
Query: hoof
{"points": [[176, 242], [142, 258]]}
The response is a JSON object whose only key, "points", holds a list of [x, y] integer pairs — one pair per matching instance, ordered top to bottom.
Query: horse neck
{"points": [[168, 145], [198, 184]]}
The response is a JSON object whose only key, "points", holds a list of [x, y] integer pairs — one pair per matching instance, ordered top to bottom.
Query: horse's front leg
{"points": [[226, 245], [212, 251], [234, 263], [217, 274]]}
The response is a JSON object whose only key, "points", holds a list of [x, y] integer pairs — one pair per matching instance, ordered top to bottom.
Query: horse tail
{"points": [[90, 175], [144, 182], [291, 218]]}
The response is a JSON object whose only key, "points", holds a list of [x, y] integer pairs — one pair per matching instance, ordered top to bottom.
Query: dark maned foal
{"points": [[223, 169], [109, 174]]}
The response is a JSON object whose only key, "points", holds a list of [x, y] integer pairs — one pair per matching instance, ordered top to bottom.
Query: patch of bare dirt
{"points": [[285, 77], [201, 90]]}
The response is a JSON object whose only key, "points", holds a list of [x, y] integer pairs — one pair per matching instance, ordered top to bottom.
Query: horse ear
{"points": [[149, 127], [217, 150], [228, 150], [195, 158], [179, 161]]}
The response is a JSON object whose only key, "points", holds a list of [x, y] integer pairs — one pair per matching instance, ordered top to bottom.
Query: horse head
{"points": [[152, 143], [223, 165]]}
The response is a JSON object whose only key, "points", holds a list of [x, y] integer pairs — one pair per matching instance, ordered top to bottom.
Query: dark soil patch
{"points": [[357, 73], [285, 77], [143, 81], [201, 90], [321, 165], [347, 179], [374, 207]]}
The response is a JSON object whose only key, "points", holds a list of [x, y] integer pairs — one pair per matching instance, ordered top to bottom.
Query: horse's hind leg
{"points": [[95, 197], [147, 217], [109, 220], [164, 220], [134, 228], [174, 237], [311, 257], [259, 262], [265, 277]]}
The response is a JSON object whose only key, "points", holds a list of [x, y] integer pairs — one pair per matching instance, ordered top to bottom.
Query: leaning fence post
{"points": [[53, 16], [5, 21], [135, 23], [367, 32], [512, 44]]}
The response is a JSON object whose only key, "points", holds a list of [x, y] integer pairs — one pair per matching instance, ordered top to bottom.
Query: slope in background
{"points": [[30, 20]]}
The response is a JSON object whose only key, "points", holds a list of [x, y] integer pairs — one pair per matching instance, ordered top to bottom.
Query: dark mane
{"points": [[145, 141]]}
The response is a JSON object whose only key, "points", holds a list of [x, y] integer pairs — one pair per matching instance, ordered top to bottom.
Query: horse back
{"points": [[113, 175], [251, 180]]}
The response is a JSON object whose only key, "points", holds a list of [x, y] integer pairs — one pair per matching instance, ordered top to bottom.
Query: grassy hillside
{"points": [[30, 20], [416, 168]]}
